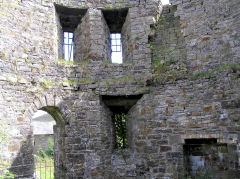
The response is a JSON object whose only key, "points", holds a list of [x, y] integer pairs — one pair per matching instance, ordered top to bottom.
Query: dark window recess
{"points": [[69, 17], [115, 19], [69, 20], [68, 45], [119, 106], [120, 128], [204, 158]]}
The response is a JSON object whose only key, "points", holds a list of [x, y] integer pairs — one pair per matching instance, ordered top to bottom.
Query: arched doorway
{"points": [[42, 123], [48, 134]]}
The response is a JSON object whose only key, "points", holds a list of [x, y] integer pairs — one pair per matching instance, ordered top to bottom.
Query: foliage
{"points": [[160, 22], [163, 55], [64, 62], [164, 65], [233, 66], [122, 79], [85, 80], [71, 81], [46, 83], [119, 121], [4, 140], [49, 153], [44, 162]]}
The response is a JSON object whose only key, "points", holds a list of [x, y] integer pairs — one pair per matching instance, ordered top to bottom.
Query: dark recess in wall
{"points": [[69, 17], [115, 19], [120, 103]]}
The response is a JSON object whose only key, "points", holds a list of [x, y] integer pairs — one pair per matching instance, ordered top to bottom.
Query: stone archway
{"points": [[57, 134], [59, 140], [22, 165]]}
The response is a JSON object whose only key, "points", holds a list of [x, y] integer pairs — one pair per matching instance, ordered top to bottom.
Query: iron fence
{"points": [[44, 169]]}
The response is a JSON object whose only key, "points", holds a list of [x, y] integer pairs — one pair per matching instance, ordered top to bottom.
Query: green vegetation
{"points": [[159, 22], [2, 55], [163, 55], [64, 62], [84, 63], [107, 63], [164, 65], [233, 66], [124, 79], [85, 80], [71, 81], [46, 83], [120, 128], [4, 140], [49, 153], [44, 162], [44, 168]]}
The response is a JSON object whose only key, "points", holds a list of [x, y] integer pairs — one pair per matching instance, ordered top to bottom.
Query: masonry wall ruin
{"points": [[185, 66]]}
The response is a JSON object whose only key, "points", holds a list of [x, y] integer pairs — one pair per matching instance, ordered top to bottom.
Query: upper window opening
{"points": [[165, 2], [69, 17], [115, 19], [68, 46], [116, 48]]}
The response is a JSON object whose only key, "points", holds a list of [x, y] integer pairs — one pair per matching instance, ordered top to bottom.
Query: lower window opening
{"points": [[119, 107], [120, 128], [205, 158]]}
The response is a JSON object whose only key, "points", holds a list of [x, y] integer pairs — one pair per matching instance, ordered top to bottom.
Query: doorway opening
{"points": [[43, 123], [205, 158]]}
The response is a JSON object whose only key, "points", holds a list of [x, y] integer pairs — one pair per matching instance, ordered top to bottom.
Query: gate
{"points": [[44, 169]]}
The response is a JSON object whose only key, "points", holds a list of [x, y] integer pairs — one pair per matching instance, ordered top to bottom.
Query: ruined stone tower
{"points": [[178, 86]]}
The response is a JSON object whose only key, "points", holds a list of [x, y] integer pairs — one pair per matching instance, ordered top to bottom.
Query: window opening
{"points": [[165, 2], [68, 46], [116, 48], [119, 106], [120, 128], [204, 158]]}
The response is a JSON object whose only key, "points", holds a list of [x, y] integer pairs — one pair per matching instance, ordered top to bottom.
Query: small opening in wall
{"points": [[165, 2], [68, 46], [116, 48], [119, 106], [43, 123], [120, 128], [205, 158]]}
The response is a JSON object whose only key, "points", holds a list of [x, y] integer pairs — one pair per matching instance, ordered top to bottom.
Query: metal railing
{"points": [[44, 169]]}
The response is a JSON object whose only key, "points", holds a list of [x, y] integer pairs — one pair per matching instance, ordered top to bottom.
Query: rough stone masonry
{"points": [[182, 61]]}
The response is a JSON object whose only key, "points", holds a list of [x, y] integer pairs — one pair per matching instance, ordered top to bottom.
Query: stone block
{"points": [[175, 140]]}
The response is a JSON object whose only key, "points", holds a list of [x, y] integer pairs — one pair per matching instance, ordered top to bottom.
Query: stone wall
{"points": [[186, 66], [41, 142]]}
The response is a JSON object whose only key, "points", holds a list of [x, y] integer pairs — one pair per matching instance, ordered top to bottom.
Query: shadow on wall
{"points": [[23, 166]]}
